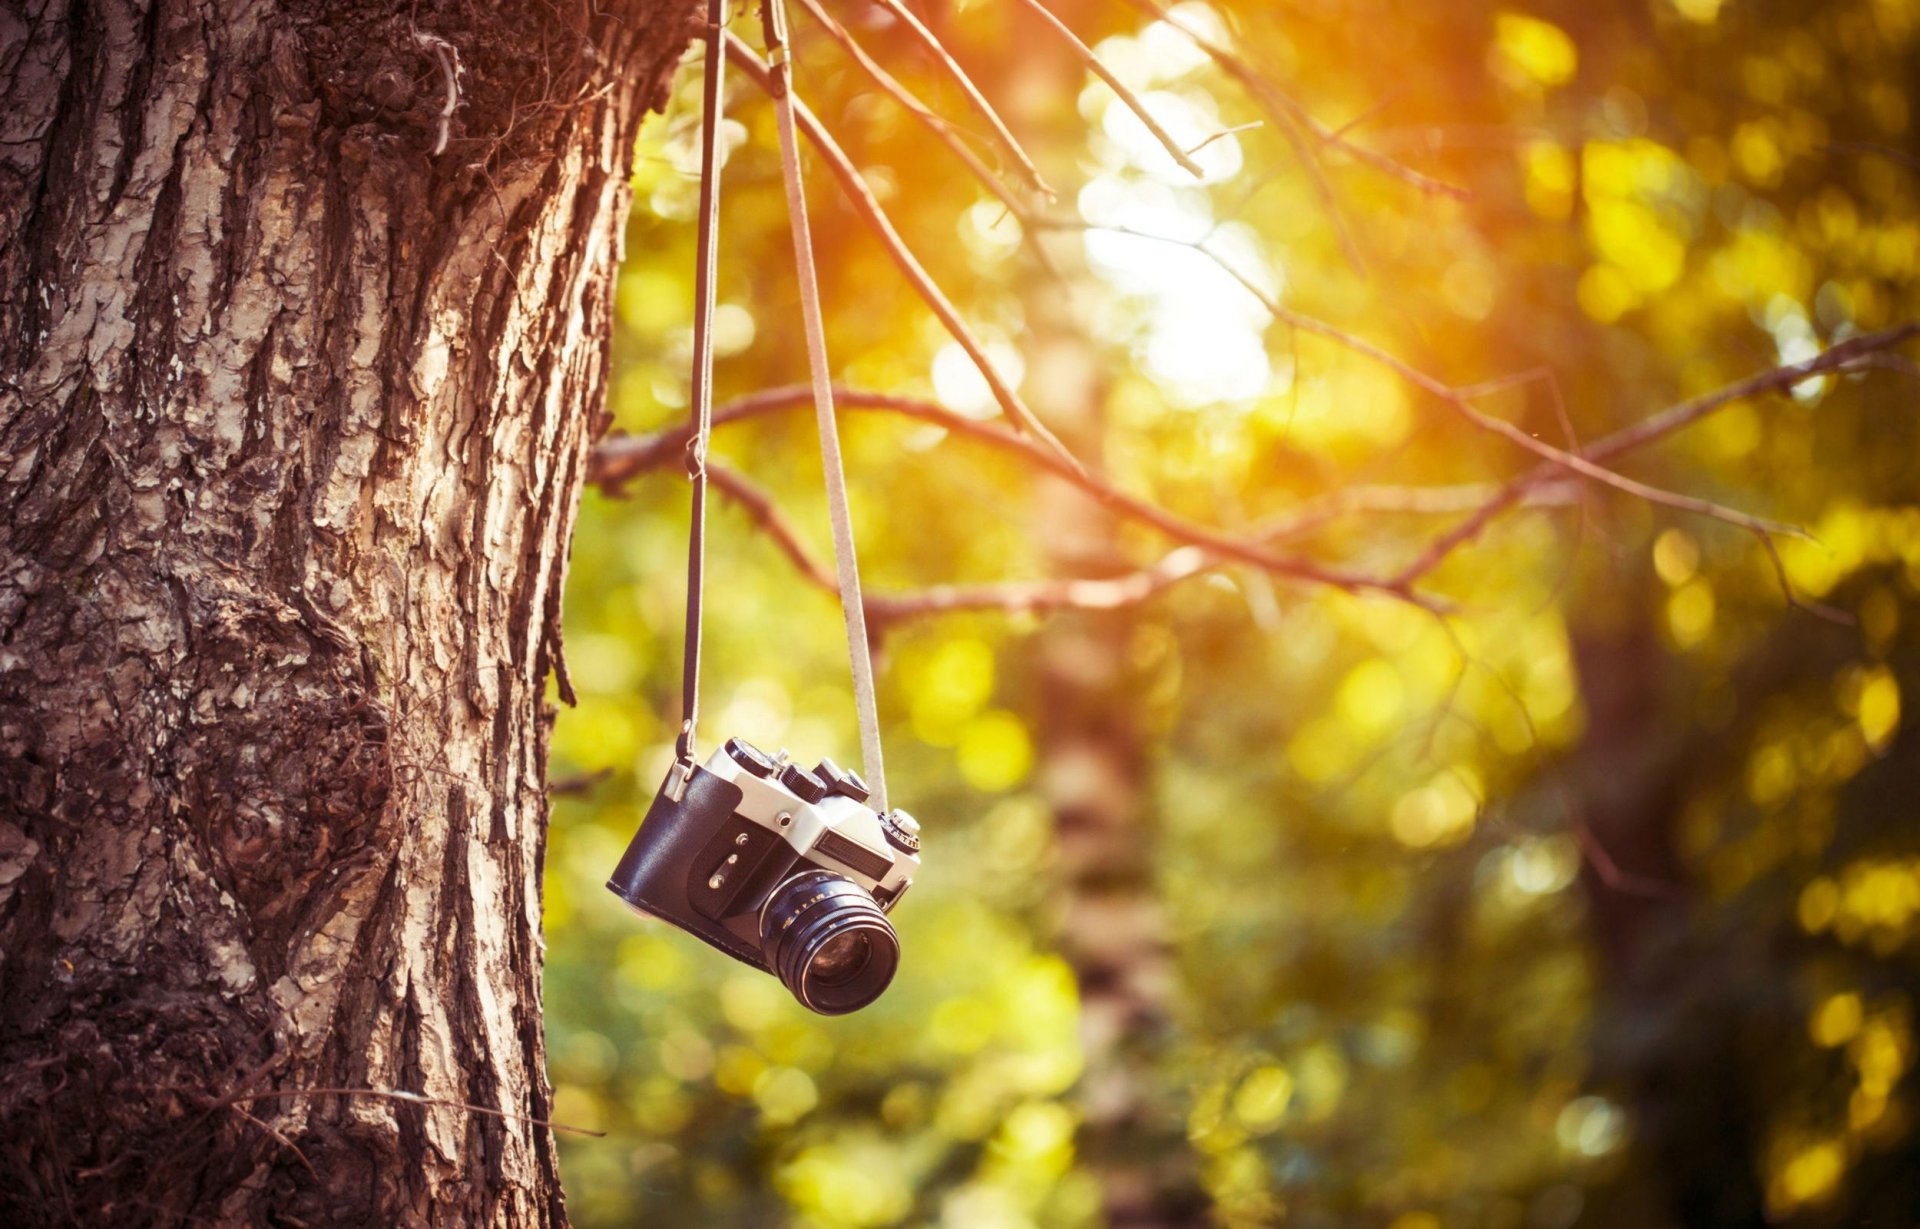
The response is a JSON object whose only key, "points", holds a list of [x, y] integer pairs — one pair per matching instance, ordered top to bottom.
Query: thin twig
{"points": [[1098, 68], [967, 87], [1273, 100], [1368, 115], [1289, 119], [939, 125], [1234, 131], [1870, 147], [903, 258], [1455, 399], [1686, 413], [1658, 426], [618, 460], [1578, 464], [1400, 500], [760, 508], [1103, 593], [1040, 596], [1013, 597], [1612, 874]]}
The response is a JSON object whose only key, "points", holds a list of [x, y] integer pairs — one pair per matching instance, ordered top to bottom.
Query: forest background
{"points": [[1574, 883]]}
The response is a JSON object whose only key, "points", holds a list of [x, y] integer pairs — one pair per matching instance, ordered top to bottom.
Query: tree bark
{"points": [[303, 321]]}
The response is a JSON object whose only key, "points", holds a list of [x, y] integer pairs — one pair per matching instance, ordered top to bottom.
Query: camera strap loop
{"points": [[774, 23], [706, 257]]}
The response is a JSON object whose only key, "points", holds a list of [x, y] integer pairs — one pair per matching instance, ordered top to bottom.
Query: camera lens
{"points": [[828, 942]]}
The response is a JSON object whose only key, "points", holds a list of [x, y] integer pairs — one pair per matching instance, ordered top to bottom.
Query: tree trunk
{"points": [[303, 322], [1111, 929], [1687, 1006], [1669, 1033]]}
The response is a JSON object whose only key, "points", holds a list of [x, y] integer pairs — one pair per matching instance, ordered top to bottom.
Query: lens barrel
{"points": [[828, 942]]}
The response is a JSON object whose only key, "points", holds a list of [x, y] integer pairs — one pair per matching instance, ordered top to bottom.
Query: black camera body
{"points": [[784, 868]]}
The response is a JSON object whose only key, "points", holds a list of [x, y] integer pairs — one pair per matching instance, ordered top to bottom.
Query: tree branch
{"points": [[1099, 69], [979, 100], [1286, 112], [935, 123], [903, 258], [1457, 400], [1658, 426], [616, 460], [760, 508], [1013, 597]]}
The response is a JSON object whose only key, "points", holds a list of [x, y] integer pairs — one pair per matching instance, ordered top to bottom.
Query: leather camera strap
{"points": [[706, 257], [846, 563]]}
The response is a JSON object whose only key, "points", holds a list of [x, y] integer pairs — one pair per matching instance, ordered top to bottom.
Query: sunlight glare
{"points": [[1202, 334]]}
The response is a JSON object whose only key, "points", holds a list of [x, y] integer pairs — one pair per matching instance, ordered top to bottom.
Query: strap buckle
{"points": [[681, 774]]}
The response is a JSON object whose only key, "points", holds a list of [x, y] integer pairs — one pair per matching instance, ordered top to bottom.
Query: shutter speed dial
{"points": [[750, 757]]}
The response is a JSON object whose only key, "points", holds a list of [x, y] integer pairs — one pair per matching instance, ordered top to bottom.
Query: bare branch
{"points": [[1099, 69], [979, 100], [1278, 105], [934, 122], [1234, 131], [903, 258], [1852, 352], [1834, 358], [1457, 400], [619, 458], [616, 460], [1578, 464], [760, 508], [1327, 509], [1040, 596], [1013, 597], [1819, 610], [1611, 873]]}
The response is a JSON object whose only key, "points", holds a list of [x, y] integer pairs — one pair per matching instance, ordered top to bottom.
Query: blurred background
{"points": [[1591, 902]]}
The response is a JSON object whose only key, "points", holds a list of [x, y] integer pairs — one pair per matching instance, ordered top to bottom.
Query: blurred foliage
{"points": [[1593, 903]]}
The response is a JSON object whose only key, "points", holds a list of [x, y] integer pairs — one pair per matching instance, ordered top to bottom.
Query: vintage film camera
{"points": [[784, 868]]}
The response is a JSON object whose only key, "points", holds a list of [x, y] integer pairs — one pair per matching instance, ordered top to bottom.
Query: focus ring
{"points": [[808, 912]]}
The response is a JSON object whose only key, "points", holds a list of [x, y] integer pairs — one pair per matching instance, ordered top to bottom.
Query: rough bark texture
{"points": [[292, 420]]}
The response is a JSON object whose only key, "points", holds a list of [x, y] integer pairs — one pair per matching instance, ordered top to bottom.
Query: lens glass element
{"points": [[828, 942], [841, 958]]}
